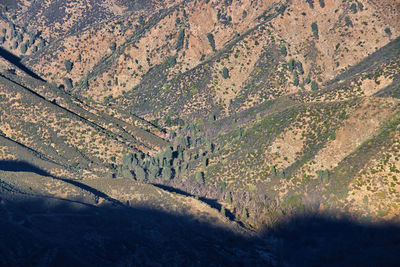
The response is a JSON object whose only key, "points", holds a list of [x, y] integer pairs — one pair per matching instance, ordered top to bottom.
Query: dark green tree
{"points": [[314, 28], [181, 39], [211, 40], [113, 46], [23, 48], [283, 50], [68, 65], [225, 73], [295, 79], [314, 86], [205, 162], [153, 172], [166, 173], [140, 174], [199, 177], [228, 197], [223, 211], [245, 214]]}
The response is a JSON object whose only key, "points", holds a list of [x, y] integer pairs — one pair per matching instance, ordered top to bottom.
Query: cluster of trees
{"points": [[17, 39], [296, 67], [172, 162]]}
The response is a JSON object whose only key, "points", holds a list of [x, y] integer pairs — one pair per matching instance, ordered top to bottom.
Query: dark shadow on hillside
{"points": [[10, 57], [22, 166], [211, 202], [60, 233], [64, 234], [326, 241]]}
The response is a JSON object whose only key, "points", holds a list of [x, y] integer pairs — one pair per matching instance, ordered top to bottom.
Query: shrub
{"points": [[311, 3], [322, 3], [353, 8], [348, 21], [314, 28], [388, 32], [181, 39], [211, 40], [15, 45], [113, 46], [23, 48], [283, 50], [292, 63], [68, 65], [299, 67], [225, 73], [295, 79], [308, 80], [68, 83], [314, 86], [211, 117], [168, 154], [205, 162], [154, 172], [127, 173], [166, 173], [140, 174], [323, 175], [199, 177], [228, 197], [223, 211], [245, 214]]}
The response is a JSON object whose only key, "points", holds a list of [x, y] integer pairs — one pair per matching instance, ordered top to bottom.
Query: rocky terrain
{"points": [[242, 123]]}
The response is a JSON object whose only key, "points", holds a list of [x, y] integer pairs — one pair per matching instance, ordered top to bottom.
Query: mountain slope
{"points": [[266, 109]]}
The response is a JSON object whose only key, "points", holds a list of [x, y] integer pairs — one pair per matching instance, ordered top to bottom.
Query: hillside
{"points": [[244, 115]]}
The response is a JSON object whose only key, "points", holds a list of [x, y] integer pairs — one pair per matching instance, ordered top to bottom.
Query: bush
{"points": [[311, 3], [322, 3], [353, 8], [348, 21], [314, 28], [388, 32], [181, 39], [211, 40], [15, 45], [113, 46], [23, 48], [283, 50], [291, 64], [68, 65], [299, 67], [225, 73], [295, 79], [68, 83], [314, 86], [205, 162], [154, 172], [166, 173], [127, 174], [140, 174], [323, 175], [199, 177], [228, 197], [223, 211], [245, 214]]}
